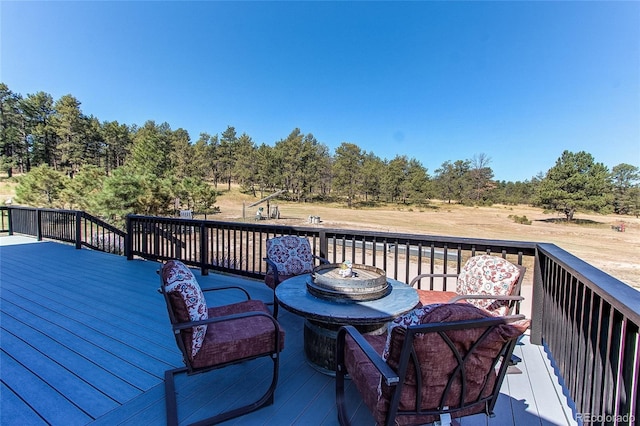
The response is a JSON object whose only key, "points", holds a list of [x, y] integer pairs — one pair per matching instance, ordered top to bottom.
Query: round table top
{"points": [[292, 295]]}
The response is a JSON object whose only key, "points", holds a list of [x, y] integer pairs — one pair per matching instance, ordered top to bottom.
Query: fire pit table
{"points": [[367, 301]]}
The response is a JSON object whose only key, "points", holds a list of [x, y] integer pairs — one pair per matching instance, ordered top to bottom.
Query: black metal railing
{"points": [[4, 219], [70, 226], [239, 248], [587, 320]]}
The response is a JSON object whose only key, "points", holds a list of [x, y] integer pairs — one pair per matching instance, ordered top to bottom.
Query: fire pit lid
{"points": [[366, 283]]}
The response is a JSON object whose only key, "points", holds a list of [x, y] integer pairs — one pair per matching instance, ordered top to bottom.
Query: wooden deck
{"points": [[85, 339]]}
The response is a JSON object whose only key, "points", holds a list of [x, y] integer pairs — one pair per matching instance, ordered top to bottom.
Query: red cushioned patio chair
{"points": [[288, 256], [488, 282], [215, 337], [436, 363]]}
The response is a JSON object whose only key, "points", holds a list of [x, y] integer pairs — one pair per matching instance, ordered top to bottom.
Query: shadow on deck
{"points": [[86, 340]]}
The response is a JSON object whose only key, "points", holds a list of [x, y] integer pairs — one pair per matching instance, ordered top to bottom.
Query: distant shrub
{"points": [[520, 219], [108, 243]]}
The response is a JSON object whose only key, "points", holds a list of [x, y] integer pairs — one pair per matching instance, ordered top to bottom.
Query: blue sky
{"points": [[517, 81]]}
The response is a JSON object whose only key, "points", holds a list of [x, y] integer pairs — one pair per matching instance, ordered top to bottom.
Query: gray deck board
{"points": [[85, 339]]}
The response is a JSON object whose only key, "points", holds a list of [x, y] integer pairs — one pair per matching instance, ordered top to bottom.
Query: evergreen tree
{"points": [[70, 125], [39, 134], [117, 140], [12, 149], [151, 150], [182, 154], [227, 155], [292, 156], [202, 161], [245, 168], [347, 168], [372, 171], [268, 176], [481, 176], [394, 178], [451, 180], [575, 182], [417, 184], [626, 185], [41, 187], [127, 191], [81, 192], [514, 192]]}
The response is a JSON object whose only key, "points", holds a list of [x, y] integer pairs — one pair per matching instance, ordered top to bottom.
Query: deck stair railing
{"points": [[70, 226], [587, 320]]}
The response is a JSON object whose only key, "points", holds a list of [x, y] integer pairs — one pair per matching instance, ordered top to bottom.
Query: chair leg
{"points": [[275, 304], [275, 310], [170, 395], [172, 409], [343, 418]]}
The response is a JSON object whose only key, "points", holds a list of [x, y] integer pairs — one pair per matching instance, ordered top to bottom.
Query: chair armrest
{"points": [[322, 260], [274, 269], [419, 277], [233, 287], [485, 296], [514, 301], [185, 325], [390, 377]]}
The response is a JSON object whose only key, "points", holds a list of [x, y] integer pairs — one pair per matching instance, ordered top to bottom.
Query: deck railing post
{"points": [[10, 219], [38, 224], [78, 229], [204, 237], [128, 240], [324, 244], [537, 306]]}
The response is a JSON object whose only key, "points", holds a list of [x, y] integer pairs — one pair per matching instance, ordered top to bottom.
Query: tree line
{"points": [[72, 160]]}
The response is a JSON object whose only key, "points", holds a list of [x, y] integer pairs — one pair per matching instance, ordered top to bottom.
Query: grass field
{"points": [[590, 237]]}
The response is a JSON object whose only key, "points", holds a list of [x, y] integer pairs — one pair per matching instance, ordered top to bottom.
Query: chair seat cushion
{"points": [[270, 279], [429, 297], [242, 338], [364, 374]]}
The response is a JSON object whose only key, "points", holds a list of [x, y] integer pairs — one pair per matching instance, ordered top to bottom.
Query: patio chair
{"points": [[288, 256], [488, 282], [216, 337], [436, 363]]}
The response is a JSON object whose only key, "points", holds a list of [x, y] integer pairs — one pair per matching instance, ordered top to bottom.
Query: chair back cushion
{"points": [[291, 254], [492, 275], [187, 301], [438, 363]]}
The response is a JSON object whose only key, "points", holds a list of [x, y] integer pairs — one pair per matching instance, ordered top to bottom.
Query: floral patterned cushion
{"points": [[291, 254], [490, 275], [187, 300]]}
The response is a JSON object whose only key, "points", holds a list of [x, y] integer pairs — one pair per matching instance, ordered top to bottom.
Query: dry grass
{"points": [[591, 238]]}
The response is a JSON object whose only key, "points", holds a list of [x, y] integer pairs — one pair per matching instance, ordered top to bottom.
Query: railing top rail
{"points": [[43, 209], [440, 238], [454, 241], [623, 297]]}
